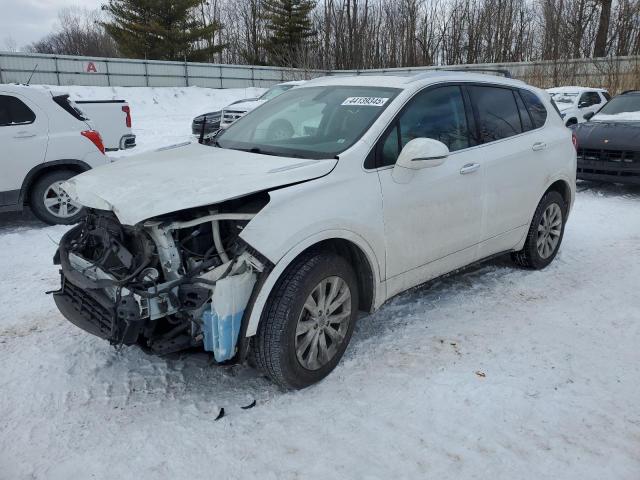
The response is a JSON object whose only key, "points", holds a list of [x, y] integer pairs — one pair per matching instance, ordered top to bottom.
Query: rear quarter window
{"points": [[69, 107], [536, 108]]}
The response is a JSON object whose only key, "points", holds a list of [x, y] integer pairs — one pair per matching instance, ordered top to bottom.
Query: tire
{"points": [[47, 185], [538, 252], [279, 341]]}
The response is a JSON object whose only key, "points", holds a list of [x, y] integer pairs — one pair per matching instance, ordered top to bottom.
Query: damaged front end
{"points": [[167, 284]]}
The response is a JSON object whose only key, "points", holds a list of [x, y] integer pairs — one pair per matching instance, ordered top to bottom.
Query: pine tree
{"points": [[289, 24], [161, 30]]}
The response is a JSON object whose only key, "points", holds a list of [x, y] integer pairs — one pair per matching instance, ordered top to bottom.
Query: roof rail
{"points": [[504, 72]]}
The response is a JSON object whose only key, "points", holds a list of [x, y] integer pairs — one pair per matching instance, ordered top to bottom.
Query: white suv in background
{"points": [[576, 102], [45, 140], [267, 246]]}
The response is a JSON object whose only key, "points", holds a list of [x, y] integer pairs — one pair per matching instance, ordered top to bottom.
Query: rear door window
{"points": [[535, 107], [13, 111], [497, 112]]}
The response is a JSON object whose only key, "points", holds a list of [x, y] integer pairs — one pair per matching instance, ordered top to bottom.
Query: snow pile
{"points": [[161, 116], [492, 373]]}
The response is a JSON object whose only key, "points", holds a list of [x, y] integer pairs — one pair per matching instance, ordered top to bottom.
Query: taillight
{"points": [[127, 110], [95, 138], [574, 139]]}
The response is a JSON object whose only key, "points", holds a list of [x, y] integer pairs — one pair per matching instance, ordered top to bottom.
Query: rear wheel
{"points": [[50, 203], [545, 233], [308, 321]]}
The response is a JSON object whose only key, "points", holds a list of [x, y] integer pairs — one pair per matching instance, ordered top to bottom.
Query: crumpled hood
{"points": [[608, 135], [185, 176]]}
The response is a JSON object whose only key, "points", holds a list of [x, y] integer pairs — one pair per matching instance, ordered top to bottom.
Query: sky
{"points": [[25, 21]]}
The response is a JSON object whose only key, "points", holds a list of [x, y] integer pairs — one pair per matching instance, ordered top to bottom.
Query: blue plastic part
{"points": [[221, 334]]}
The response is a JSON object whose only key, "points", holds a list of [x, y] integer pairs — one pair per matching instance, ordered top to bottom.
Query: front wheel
{"points": [[50, 203], [545, 233], [308, 321]]}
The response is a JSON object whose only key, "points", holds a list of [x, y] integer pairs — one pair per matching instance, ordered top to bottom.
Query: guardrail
{"points": [[72, 70], [615, 73]]}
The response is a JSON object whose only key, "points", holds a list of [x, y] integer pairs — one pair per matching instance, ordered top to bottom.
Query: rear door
{"points": [[23, 137], [507, 154]]}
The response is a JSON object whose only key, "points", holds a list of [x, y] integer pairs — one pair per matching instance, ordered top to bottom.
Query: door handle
{"points": [[24, 134], [538, 146], [469, 168]]}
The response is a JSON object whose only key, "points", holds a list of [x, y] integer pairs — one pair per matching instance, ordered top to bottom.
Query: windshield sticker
{"points": [[367, 101]]}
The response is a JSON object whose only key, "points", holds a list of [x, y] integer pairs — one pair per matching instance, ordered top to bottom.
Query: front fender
{"points": [[269, 282]]}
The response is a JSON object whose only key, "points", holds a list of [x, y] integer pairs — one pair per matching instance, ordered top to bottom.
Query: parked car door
{"points": [[23, 136], [511, 152], [436, 211]]}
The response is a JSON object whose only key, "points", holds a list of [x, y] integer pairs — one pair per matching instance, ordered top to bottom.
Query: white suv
{"points": [[576, 103], [45, 141], [266, 248]]}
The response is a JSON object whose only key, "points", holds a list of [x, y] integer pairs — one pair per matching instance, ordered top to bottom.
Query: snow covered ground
{"points": [[490, 373]]}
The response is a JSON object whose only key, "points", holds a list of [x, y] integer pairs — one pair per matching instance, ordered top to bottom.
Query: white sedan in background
{"points": [[576, 102]]}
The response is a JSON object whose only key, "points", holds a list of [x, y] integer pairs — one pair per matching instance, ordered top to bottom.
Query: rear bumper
{"points": [[127, 141]]}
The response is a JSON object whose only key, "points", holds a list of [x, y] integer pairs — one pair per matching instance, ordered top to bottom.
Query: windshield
{"points": [[274, 92], [624, 107], [309, 122]]}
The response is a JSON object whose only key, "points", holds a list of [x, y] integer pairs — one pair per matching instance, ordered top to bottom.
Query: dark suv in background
{"points": [[609, 143]]}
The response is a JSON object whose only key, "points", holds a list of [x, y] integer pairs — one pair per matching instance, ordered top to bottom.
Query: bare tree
{"points": [[79, 33]]}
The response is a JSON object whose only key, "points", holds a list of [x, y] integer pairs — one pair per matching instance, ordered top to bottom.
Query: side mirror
{"points": [[587, 116], [422, 153]]}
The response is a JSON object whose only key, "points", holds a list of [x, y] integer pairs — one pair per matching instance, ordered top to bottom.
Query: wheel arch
{"points": [[36, 172], [562, 187], [347, 244]]}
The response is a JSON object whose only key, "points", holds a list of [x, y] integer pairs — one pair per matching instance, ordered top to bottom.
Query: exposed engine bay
{"points": [[167, 284]]}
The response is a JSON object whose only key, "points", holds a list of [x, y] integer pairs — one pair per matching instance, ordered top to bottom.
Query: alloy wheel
{"points": [[58, 203], [549, 230], [323, 323]]}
